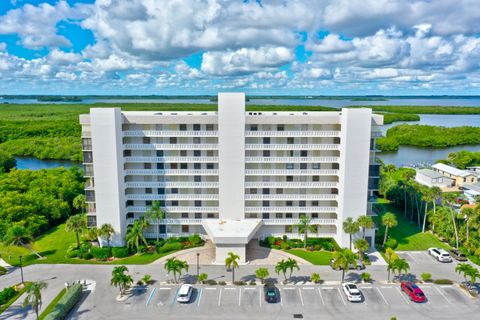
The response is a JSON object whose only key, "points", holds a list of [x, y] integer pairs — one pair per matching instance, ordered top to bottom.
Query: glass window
{"points": [[182, 127], [196, 127], [209, 127], [253, 127], [280, 127], [146, 140], [173, 140], [196, 140], [266, 140], [290, 140], [127, 153], [159, 153], [183, 153], [197, 153], [209, 153], [266, 153], [303, 153], [147, 166], [160, 166], [174, 166], [184, 166], [197, 166], [210, 166], [290, 166], [303, 166], [316, 166], [197, 178], [289, 178], [315, 178], [148, 190], [161, 190], [174, 190], [253, 191], [265, 191], [279, 191], [148, 203], [174, 203], [198, 203], [265, 203], [289, 203], [302, 203], [314, 203], [184, 215], [198, 215], [210, 215], [252, 215], [265, 215], [279, 215], [288, 215], [314, 215], [185, 229], [288, 229]]}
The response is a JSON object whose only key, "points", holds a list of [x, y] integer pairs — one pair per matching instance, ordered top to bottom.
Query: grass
{"points": [[408, 235], [53, 245], [320, 258], [14, 298], [52, 304]]}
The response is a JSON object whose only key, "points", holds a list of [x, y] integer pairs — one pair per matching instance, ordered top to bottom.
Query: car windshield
{"points": [[445, 254], [351, 286], [271, 293], [355, 293], [182, 294], [419, 294]]}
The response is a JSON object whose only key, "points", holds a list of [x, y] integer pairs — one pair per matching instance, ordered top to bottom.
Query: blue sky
{"points": [[349, 47]]}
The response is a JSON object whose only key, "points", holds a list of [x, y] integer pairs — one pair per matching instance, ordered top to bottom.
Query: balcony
{"points": [[169, 133], [296, 133], [174, 146], [286, 146], [171, 159], [292, 159], [171, 172], [291, 172], [171, 184], [285, 184], [172, 196], [291, 197], [175, 209], [291, 209], [170, 221], [272, 222], [153, 235], [298, 235]]}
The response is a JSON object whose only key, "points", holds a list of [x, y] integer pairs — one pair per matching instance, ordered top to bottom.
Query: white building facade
{"points": [[231, 175]]}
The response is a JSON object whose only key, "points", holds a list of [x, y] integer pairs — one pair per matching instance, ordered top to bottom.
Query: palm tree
{"points": [[427, 196], [449, 198], [79, 203], [156, 212], [469, 213], [389, 220], [365, 222], [76, 223], [304, 227], [350, 227], [106, 232], [90, 234], [18, 235], [135, 235], [362, 246], [391, 257], [342, 259], [231, 262], [292, 264], [400, 265], [176, 266], [282, 266], [463, 269], [261, 273], [474, 274], [120, 279], [34, 295]]}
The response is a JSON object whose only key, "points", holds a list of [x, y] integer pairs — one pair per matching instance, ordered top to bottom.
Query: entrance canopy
{"points": [[231, 231]]}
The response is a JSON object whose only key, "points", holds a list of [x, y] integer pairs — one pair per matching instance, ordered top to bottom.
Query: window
{"points": [[182, 127], [196, 127], [209, 127], [253, 127], [280, 127], [146, 140], [173, 140], [196, 140], [266, 140], [290, 140], [336, 140], [127, 153], [159, 153], [183, 153], [197, 153], [209, 153], [266, 153], [291, 153], [303, 153], [147, 166], [160, 166], [174, 166], [183, 166], [197, 166], [210, 166], [290, 166], [303, 166], [316, 166], [335, 166], [197, 178], [289, 178], [315, 178], [148, 190], [174, 190], [161, 191], [253, 191], [265, 191], [279, 191], [90, 195], [129, 203], [148, 203], [174, 203], [198, 203], [265, 203], [289, 203], [302, 203], [314, 203], [184, 215], [198, 215], [210, 215], [252, 215], [265, 215], [279, 215], [288, 215], [314, 215], [91, 221], [162, 229], [185, 229], [288, 229]]}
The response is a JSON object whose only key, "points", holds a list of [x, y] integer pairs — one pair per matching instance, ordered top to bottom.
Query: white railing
{"points": [[169, 133], [294, 133], [175, 146], [285, 146], [171, 159], [292, 159], [172, 172], [290, 172], [171, 184], [284, 184], [172, 196], [291, 197], [142, 209], [291, 209], [170, 221], [297, 221], [153, 235], [298, 235]]}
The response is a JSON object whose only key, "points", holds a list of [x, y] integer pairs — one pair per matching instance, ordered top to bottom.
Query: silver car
{"points": [[185, 293]]}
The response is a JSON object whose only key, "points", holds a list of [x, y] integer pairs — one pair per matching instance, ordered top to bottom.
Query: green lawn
{"points": [[407, 233], [54, 244], [321, 258]]}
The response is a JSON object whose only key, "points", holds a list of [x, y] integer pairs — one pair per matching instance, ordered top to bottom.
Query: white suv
{"points": [[440, 254], [352, 292], [185, 293]]}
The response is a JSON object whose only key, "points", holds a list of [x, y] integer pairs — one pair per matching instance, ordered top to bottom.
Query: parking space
{"points": [[230, 297], [311, 297], [332, 297], [436, 297], [251, 298], [373, 298]]}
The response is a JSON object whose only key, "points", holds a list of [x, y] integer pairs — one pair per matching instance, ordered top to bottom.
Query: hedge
{"points": [[167, 247], [120, 252], [100, 253], [3, 270], [66, 303]]}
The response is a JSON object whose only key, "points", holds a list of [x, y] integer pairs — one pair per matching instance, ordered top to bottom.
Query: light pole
{"points": [[198, 265], [21, 267]]}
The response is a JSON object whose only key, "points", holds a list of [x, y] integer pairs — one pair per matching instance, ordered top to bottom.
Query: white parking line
{"points": [[413, 258], [164, 288], [210, 288], [230, 288], [249, 288], [288, 288], [309, 288], [327, 288], [402, 295], [443, 295], [341, 296], [199, 297], [220, 297], [239, 297], [260, 297], [301, 297], [321, 297], [383, 297], [281, 298]]}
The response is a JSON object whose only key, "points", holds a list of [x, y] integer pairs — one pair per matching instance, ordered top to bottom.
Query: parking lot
{"points": [[306, 301]]}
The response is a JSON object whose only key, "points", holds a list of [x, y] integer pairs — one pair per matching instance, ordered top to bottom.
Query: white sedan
{"points": [[352, 292]]}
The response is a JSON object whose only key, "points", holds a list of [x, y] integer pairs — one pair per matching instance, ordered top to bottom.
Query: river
{"points": [[33, 163]]}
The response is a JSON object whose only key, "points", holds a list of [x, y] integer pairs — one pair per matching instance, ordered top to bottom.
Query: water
{"points": [[451, 120], [33, 163]]}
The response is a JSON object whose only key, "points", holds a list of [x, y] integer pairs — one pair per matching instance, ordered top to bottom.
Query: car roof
{"points": [[184, 288]]}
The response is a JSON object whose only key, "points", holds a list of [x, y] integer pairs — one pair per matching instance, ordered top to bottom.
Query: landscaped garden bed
{"points": [[10, 294]]}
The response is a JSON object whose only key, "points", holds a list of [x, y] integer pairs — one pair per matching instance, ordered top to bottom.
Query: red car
{"points": [[415, 293]]}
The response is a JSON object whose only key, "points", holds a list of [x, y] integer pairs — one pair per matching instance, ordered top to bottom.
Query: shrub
{"points": [[195, 239], [270, 240], [391, 243], [170, 246], [285, 246], [85, 247], [276, 247], [317, 247], [120, 252], [72, 253], [100, 253], [86, 256], [2, 271], [366, 276], [426, 276], [202, 277], [315, 278], [147, 279], [443, 281], [211, 282], [222, 283], [240, 283], [252, 283], [6, 294], [66, 303]]}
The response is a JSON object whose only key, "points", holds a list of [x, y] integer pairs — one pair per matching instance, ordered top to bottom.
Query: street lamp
{"points": [[198, 265], [21, 267]]}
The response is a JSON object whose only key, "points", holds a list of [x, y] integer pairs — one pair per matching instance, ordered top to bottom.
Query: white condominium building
{"points": [[232, 175]]}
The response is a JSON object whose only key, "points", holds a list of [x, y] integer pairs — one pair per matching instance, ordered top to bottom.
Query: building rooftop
{"points": [[451, 170], [431, 174], [229, 231]]}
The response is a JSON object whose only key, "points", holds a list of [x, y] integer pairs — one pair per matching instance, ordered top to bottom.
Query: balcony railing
{"points": [[169, 133], [295, 133], [174, 146], [285, 146], [171, 159], [292, 159], [171, 172], [291, 172], [171, 184], [286, 184], [172, 196], [291, 197], [142, 209], [291, 209], [170, 221], [314, 221], [332, 234], [153, 235]]}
